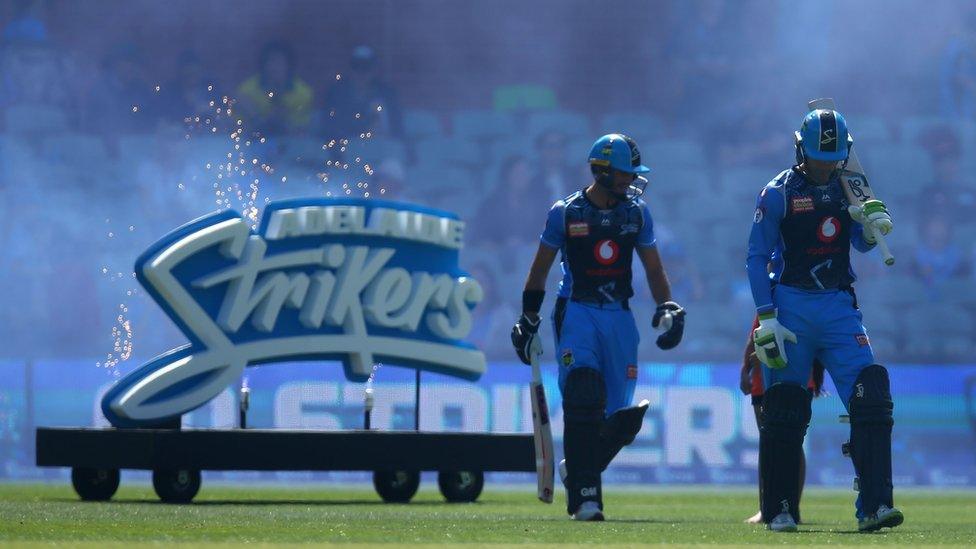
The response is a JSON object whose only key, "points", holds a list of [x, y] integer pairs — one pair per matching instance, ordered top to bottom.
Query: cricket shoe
{"points": [[588, 511], [886, 517], [754, 519], [782, 523]]}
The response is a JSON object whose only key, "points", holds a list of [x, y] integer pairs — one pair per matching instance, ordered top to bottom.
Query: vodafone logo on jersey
{"points": [[829, 229], [606, 252]]}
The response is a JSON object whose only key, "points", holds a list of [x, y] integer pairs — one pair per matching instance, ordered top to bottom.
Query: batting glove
{"points": [[873, 214], [669, 317], [524, 334], [770, 340]]}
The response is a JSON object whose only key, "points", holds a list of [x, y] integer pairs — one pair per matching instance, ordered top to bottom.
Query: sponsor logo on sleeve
{"points": [[758, 217], [862, 340], [631, 371]]}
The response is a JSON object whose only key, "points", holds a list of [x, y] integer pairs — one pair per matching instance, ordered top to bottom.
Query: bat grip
{"points": [[886, 255]]}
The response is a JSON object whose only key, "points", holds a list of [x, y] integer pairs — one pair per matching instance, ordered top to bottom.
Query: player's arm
{"points": [[763, 238], [858, 239], [539, 271], [657, 278], [534, 293], [669, 315], [770, 337]]}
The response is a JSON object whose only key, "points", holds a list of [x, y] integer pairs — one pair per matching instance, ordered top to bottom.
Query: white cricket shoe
{"points": [[588, 510], [886, 517], [754, 519], [782, 523]]}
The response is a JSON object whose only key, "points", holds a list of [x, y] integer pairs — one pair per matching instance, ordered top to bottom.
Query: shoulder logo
{"points": [[758, 216], [356, 281]]}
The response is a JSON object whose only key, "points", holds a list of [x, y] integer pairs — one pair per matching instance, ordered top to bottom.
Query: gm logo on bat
{"points": [[354, 280]]}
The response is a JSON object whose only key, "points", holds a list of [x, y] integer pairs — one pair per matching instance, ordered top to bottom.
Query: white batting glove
{"points": [[873, 214], [770, 341]]}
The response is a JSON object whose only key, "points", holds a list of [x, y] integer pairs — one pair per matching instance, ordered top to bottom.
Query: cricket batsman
{"points": [[597, 230], [811, 313]]}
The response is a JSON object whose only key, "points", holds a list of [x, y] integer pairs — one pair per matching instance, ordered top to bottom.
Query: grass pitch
{"points": [[42, 514]]}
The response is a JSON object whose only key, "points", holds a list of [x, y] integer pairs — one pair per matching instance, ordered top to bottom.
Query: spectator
{"points": [[27, 24], [703, 56], [32, 71], [957, 78], [187, 95], [123, 100], [276, 100], [362, 102], [762, 139], [552, 171], [950, 188], [501, 219], [937, 258]]}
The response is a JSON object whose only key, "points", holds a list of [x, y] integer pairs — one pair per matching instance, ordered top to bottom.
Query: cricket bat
{"points": [[856, 186], [541, 430]]}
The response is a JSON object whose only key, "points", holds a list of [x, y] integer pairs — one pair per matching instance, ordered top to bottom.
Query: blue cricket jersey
{"points": [[806, 229], [597, 246]]}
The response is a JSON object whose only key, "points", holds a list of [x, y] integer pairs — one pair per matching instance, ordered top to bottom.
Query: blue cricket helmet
{"points": [[824, 136], [618, 152]]}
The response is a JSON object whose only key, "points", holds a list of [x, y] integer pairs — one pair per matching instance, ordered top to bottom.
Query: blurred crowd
{"points": [[101, 156]]}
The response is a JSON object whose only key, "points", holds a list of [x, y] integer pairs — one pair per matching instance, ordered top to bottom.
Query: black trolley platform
{"points": [[176, 457]]}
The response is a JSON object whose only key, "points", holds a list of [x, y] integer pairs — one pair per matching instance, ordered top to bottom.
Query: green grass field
{"points": [[42, 514]]}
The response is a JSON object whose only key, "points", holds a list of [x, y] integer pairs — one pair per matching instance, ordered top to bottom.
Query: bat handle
{"points": [[886, 255], [535, 351]]}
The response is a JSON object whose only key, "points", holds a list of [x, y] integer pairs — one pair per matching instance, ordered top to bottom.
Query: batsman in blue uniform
{"points": [[803, 218], [597, 230]]}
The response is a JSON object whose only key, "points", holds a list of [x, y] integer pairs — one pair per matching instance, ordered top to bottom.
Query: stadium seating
{"points": [[34, 119], [569, 123], [420, 124], [477, 125], [641, 125], [377, 149], [75, 150], [449, 151], [673, 152], [898, 168]]}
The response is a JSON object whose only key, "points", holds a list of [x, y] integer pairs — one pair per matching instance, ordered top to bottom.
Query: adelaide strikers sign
{"points": [[354, 280]]}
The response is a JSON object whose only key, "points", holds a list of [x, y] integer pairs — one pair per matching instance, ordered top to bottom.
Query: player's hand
{"points": [[872, 213], [669, 317], [524, 334], [770, 340], [745, 375]]}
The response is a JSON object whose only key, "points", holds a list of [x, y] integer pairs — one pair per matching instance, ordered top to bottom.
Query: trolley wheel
{"points": [[94, 484], [176, 485], [396, 486], [461, 486]]}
